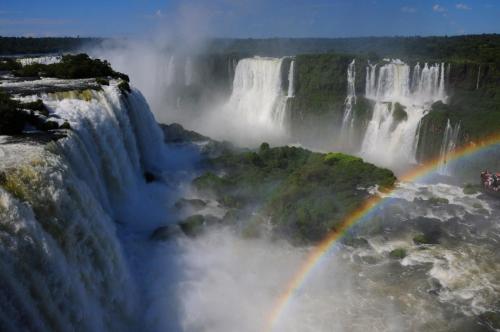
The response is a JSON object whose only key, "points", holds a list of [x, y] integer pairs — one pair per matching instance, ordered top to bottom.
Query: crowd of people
{"points": [[490, 180]]}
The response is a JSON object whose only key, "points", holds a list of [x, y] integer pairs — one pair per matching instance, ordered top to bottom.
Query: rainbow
{"points": [[360, 214]]}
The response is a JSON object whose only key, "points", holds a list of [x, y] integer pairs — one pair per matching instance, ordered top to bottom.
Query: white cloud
{"points": [[462, 6], [438, 8], [407, 9]]}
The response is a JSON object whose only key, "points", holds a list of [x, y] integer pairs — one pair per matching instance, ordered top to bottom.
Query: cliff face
{"points": [[474, 103]]}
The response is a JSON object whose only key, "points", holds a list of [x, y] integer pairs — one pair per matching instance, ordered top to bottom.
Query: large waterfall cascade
{"points": [[258, 98], [389, 138], [449, 143], [63, 267]]}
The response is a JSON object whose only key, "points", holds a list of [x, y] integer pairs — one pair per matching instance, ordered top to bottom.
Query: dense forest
{"points": [[25, 45], [471, 48]]}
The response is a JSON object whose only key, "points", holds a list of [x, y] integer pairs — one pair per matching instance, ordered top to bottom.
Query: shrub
{"points": [[398, 253]]}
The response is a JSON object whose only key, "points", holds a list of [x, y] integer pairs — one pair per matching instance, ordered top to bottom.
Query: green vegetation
{"points": [[28, 45], [470, 48], [9, 64], [72, 66], [399, 112], [12, 118], [470, 189], [305, 194], [193, 225], [425, 239], [398, 253]]}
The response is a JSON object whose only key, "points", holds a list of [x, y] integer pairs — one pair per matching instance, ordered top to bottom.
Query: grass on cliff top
{"points": [[72, 67], [305, 194]]}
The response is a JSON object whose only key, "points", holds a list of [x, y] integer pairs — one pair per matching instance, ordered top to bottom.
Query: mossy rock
{"points": [[102, 81], [399, 112], [65, 125], [470, 189], [434, 200], [193, 225], [165, 233], [430, 238], [398, 253]]}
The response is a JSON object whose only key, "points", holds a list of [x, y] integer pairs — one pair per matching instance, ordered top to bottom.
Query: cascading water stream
{"points": [[291, 77], [400, 104], [347, 121], [449, 143]]}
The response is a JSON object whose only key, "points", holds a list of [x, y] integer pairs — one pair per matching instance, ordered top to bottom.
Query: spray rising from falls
{"points": [[400, 104], [62, 266]]}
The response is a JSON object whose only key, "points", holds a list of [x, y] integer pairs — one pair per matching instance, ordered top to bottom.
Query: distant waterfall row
{"points": [[393, 82], [401, 99], [62, 267]]}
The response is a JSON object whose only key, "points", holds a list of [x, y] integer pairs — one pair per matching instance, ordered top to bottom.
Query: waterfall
{"points": [[170, 71], [371, 71], [291, 76], [257, 97], [400, 104], [347, 121], [449, 143], [62, 266]]}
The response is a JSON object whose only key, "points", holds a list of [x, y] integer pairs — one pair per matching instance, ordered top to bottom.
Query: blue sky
{"points": [[248, 18]]}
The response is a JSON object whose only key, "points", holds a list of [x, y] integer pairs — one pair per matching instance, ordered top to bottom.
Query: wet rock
{"points": [[149, 177], [193, 225], [165, 233], [427, 238], [356, 242], [398, 253], [491, 319]]}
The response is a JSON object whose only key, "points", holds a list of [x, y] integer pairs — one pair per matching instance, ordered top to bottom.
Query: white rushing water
{"points": [[44, 60], [291, 80], [257, 95], [347, 120], [391, 135], [448, 145], [62, 266]]}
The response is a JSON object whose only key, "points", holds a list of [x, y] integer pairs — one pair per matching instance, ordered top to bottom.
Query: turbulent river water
{"points": [[78, 256]]}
